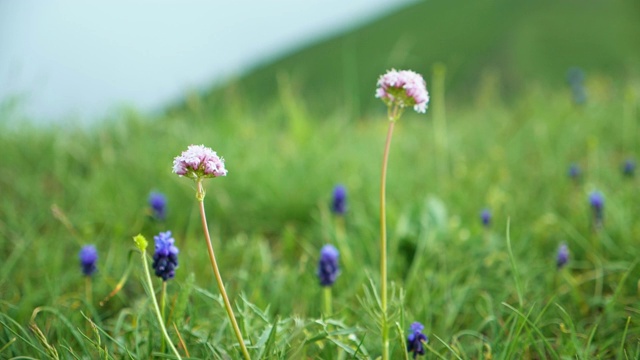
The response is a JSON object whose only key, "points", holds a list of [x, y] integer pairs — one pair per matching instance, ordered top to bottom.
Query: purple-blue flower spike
{"points": [[629, 167], [575, 172], [596, 199], [339, 203], [158, 204], [485, 217], [563, 256], [88, 257], [165, 258], [328, 269], [416, 340]]}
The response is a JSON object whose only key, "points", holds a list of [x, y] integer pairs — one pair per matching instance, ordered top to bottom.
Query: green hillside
{"points": [[516, 43]]}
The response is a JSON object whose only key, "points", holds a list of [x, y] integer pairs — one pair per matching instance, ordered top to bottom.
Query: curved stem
{"points": [[383, 240], [214, 265], [156, 308]]}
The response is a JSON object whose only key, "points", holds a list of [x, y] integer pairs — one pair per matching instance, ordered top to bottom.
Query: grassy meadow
{"points": [[482, 292]]}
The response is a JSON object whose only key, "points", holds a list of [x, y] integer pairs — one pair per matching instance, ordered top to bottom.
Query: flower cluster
{"points": [[403, 88], [198, 162], [629, 167], [575, 172], [596, 199], [158, 204], [339, 204], [485, 217], [88, 256], [563, 256], [165, 258], [328, 269], [416, 340]]}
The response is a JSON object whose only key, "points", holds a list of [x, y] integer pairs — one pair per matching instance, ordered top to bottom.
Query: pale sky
{"points": [[83, 58]]}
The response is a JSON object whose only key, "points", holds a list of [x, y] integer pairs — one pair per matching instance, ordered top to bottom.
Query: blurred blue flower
{"points": [[575, 76], [579, 94], [629, 167], [574, 171], [596, 199], [158, 204], [339, 204], [485, 217], [88, 256], [563, 256], [165, 258], [328, 269], [416, 340]]}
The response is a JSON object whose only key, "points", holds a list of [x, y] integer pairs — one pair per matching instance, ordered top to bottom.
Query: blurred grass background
{"points": [[293, 129]]}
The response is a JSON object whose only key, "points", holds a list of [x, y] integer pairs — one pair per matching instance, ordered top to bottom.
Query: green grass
{"points": [[290, 131], [270, 217]]}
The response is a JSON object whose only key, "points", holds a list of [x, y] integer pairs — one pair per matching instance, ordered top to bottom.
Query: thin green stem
{"points": [[383, 237], [214, 265], [88, 290], [163, 296], [89, 297], [327, 301], [156, 308]]}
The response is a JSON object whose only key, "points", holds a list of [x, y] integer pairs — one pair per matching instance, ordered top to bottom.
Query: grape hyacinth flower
{"points": [[403, 88], [397, 89], [629, 168], [575, 172], [596, 199], [339, 204], [158, 205], [485, 217], [141, 244], [88, 256], [562, 257], [165, 258], [328, 269], [416, 340]]}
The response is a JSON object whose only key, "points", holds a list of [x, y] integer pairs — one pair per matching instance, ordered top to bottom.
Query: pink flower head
{"points": [[403, 88], [199, 161]]}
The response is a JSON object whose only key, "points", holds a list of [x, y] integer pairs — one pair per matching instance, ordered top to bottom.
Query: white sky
{"points": [[82, 58]]}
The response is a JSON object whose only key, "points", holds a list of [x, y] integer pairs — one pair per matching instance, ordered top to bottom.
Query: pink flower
{"points": [[403, 88], [199, 161]]}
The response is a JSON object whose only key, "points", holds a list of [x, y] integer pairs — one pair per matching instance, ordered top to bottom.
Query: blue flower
{"points": [[575, 76], [629, 167], [575, 171], [596, 199], [158, 204], [339, 204], [485, 217], [88, 256], [563, 256], [165, 258], [328, 269], [416, 340]]}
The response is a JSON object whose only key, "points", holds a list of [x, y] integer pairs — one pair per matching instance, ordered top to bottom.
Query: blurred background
{"points": [[71, 59]]}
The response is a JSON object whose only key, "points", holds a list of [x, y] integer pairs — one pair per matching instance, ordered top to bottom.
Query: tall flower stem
{"points": [[394, 113], [214, 264], [163, 297], [156, 308]]}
